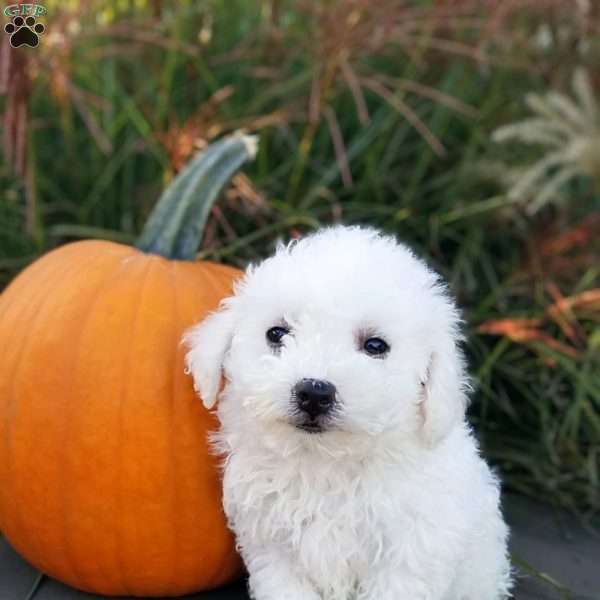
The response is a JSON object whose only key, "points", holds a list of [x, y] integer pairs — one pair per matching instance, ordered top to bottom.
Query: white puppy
{"points": [[350, 472]]}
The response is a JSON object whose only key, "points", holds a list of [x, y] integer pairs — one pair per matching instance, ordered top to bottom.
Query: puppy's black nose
{"points": [[314, 396]]}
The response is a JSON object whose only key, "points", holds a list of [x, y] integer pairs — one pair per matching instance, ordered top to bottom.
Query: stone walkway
{"points": [[543, 541]]}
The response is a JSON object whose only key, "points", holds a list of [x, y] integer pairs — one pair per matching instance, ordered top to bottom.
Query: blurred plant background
{"points": [[470, 129]]}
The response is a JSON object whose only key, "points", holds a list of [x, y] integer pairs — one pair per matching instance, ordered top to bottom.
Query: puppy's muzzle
{"points": [[314, 397]]}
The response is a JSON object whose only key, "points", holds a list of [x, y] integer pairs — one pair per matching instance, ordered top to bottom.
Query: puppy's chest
{"points": [[326, 522], [334, 535]]}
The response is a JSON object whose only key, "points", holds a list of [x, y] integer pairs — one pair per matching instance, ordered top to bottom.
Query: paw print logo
{"points": [[24, 32]]}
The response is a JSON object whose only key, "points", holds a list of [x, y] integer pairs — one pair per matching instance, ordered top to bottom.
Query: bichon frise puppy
{"points": [[349, 472]]}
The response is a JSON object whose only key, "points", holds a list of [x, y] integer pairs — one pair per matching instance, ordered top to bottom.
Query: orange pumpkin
{"points": [[106, 481]]}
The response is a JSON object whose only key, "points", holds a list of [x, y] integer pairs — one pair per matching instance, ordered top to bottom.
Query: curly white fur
{"points": [[393, 501]]}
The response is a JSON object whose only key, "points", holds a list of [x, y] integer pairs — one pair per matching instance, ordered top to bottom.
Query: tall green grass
{"points": [[98, 157]]}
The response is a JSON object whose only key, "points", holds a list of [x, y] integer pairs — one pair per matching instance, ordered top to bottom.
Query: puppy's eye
{"points": [[275, 335], [375, 346]]}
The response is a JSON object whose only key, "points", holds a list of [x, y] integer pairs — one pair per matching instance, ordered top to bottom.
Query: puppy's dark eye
{"points": [[275, 335], [375, 346]]}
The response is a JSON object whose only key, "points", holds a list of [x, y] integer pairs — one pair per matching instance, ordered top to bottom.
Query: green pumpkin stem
{"points": [[175, 226]]}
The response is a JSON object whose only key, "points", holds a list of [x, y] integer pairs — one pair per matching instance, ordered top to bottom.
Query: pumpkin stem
{"points": [[175, 226]]}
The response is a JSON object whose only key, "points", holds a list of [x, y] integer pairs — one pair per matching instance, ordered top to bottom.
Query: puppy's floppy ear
{"points": [[208, 343], [444, 391]]}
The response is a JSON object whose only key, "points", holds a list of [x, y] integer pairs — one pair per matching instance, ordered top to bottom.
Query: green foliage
{"points": [[376, 113], [569, 130]]}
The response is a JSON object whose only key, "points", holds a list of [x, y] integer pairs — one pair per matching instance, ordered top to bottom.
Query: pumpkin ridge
{"points": [[208, 271], [111, 276], [199, 291], [122, 395], [13, 400], [5, 438], [172, 470], [229, 551], [227, 558], [222, 572]]}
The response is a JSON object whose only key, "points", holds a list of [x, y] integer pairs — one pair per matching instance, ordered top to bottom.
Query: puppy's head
{"points": [[344, 331]]}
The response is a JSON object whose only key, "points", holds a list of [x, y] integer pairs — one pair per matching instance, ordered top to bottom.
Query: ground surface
{"points": [[548, 541]]}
